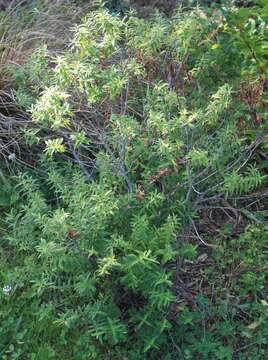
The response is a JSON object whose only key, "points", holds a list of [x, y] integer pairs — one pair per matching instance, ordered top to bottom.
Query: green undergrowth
{"points": [[138, 230]]}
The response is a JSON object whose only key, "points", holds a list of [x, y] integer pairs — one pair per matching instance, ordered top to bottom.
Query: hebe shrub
{"points": [[140, 123]]}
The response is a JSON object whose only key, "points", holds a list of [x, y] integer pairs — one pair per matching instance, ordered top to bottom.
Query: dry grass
{"points": [[24, 27]]}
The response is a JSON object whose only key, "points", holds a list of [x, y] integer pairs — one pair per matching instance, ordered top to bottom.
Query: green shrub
{"points": [[148, 128]]}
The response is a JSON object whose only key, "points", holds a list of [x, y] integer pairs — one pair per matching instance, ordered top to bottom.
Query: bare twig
{"points": [[199, 237]]}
